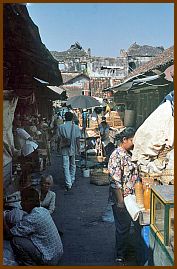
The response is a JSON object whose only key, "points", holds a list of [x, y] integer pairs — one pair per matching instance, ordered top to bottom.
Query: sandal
{"points": [[120, 261]]}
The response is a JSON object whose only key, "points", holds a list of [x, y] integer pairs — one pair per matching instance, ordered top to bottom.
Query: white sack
{"points": [[156, 131]]}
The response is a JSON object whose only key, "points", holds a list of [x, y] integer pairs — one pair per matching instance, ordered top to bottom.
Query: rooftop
{"points": [[145, 50], [73, 52], [160, 61]]}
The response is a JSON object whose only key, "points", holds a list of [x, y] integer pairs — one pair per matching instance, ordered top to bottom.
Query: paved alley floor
{"points": [[87, 239]]}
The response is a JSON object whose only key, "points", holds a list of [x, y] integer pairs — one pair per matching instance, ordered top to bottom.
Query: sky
{"points": [[105, 28]]}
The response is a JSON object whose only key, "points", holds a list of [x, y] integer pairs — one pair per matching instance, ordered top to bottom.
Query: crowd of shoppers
{"points": [[34, 237]]}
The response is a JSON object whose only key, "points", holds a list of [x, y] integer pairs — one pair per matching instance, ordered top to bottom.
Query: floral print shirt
{"points": [[122, 171]]}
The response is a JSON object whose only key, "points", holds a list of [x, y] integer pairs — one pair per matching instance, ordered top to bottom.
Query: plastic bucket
{"points": [[86, 173]]}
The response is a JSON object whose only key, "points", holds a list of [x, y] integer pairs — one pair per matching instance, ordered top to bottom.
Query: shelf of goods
{"points": [[162, 225]]}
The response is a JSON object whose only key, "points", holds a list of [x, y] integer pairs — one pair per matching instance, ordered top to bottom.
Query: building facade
{"points": [[102, 72]]}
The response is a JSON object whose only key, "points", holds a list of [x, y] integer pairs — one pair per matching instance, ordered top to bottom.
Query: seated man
{"points": [[47, 197], [35, 239]]}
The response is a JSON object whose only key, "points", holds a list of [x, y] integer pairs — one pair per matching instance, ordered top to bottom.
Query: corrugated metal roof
{"points": [[162, 59], [68, 76], [56, 89]]}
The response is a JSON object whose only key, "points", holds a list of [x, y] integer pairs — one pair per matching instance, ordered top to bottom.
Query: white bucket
{"points": [[86, 173]]}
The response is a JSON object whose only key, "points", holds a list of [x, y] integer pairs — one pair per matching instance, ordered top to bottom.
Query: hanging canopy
{"points": [[82, 101]]}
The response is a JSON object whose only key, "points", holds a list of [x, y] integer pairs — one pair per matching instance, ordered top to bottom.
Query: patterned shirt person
{"points": [[122, 170], [122, 177], [40, 228]]}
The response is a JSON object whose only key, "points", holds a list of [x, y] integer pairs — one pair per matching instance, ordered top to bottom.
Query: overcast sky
{"points": [[103, 27]]}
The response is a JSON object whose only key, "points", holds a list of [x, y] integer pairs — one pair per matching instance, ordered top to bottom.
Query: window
{"points": [[61, 66]]}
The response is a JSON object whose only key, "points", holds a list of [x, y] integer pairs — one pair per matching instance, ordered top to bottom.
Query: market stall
{"points": [[152, 204], [152, 208], [161, 233]]}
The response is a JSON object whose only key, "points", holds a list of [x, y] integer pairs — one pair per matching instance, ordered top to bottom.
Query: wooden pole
{"points": [[85, 148]]}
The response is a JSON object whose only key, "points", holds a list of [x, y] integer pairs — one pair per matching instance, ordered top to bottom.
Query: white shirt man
{"points": [[71, 131]]}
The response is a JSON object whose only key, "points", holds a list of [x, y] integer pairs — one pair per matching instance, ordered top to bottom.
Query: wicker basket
{"points": [[110, 122], [42, 152], [98, 159], [101, 159], [99, 176], [167, 176]]}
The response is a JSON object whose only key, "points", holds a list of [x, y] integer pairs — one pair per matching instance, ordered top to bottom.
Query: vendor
{"points": [[108, 109], [85, 121], [44, 129], [104, 131], [26, 142], [28, 147], [123, 174], [47, 197]]}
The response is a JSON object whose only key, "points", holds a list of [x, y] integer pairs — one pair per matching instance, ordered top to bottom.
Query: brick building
{"points": [[86, 74]]}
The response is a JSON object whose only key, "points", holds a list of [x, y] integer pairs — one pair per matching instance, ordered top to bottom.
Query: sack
{"points": [[65, 142]]}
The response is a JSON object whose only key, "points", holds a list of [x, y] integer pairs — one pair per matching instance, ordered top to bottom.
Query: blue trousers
{"points": [[69, 166], [122, 224]]}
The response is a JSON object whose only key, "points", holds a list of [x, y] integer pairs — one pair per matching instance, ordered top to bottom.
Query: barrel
{"points": [[129, 118]]}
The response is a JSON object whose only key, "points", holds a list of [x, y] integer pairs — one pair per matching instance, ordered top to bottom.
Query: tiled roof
{"points": [[159, 61], [162, 61], [68, 76]]}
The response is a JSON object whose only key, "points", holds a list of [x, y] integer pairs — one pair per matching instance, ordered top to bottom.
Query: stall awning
{"points": [[156, 80], [41, 81], [56, 89], [43, 90]]}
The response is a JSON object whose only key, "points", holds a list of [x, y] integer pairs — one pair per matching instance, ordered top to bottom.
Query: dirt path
{"points": [[86, 238]]}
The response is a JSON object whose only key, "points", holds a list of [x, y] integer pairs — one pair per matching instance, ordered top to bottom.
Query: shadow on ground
{"points": [[87, 239]]}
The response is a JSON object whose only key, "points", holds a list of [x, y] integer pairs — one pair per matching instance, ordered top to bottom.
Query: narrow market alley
{"points": [[111, 103], [87, 239]]}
